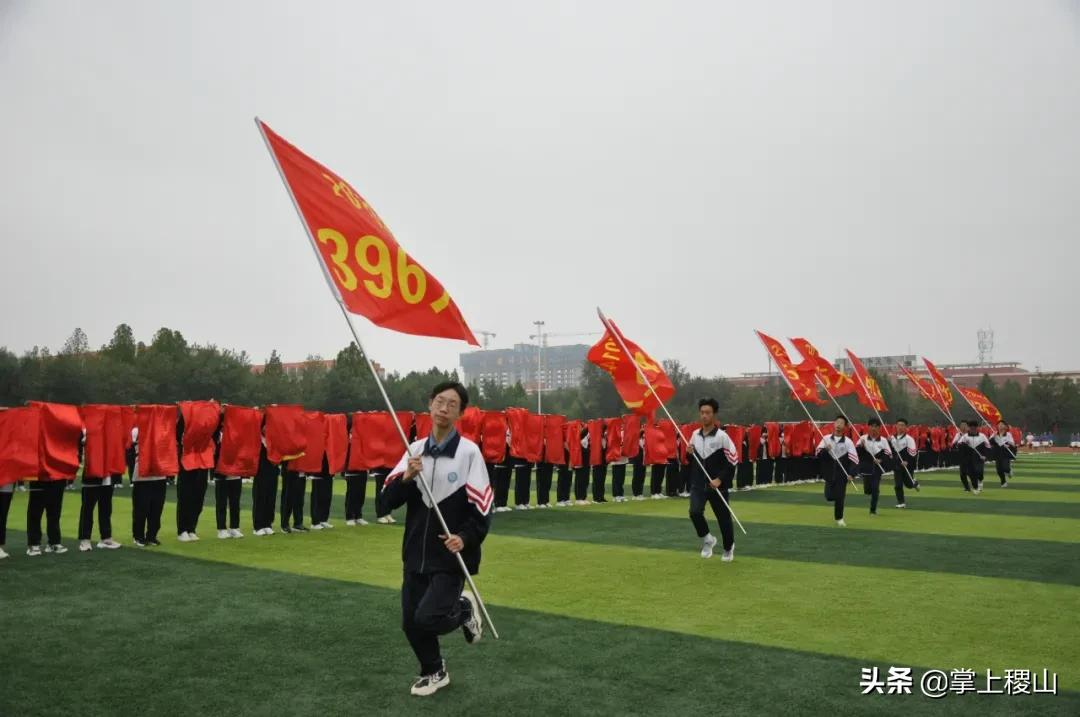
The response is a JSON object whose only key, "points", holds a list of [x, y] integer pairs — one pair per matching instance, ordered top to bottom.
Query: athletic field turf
{"points": [[603, 609]]}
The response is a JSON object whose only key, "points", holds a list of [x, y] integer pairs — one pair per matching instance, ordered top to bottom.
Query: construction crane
{"points": [[488, 335], [545, 335]]}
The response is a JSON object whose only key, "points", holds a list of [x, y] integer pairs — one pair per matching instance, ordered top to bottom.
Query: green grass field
{"points": [[604, 609]]}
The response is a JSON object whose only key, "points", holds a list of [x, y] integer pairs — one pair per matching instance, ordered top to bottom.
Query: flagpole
{"points": [[375, 374], [837, 404], [807, 411], [885, 428], [993, 429], [678, 432]]}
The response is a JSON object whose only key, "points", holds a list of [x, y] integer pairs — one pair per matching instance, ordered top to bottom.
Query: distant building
{"points": [[885, 364], [295, 367], [505, 367]]}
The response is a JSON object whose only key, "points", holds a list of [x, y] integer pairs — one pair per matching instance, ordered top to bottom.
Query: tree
{"points": [[77, 344], [122, 347]]}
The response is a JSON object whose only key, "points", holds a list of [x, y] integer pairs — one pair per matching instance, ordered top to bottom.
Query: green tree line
{"points": [[169, 369]]}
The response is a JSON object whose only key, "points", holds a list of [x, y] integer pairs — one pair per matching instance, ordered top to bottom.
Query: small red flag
{"points": [[368, 271], [609, 355], [800, 378], [836, 382], [925, 386], [869, 392], [945, 396], [981, 404], [201, 420], [157, 440], [241, 442], [19, 443]]}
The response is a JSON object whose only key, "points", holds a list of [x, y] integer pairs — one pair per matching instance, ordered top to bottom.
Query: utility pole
{"points": [[540, 337]]}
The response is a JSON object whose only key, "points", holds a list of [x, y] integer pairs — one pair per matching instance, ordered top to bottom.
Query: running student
{"points": [[974, 449], [1004, 451], [717, 454], [907, 455], [875, 458], [839, 460], [433, 599]]}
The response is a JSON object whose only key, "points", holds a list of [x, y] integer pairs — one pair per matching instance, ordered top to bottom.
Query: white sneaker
{"points": [[1005, 484], [655, 496], [639, 497], [901, 505], [521, 507], [391, 519], [385, 520], [361, 521], [350, 523], [841, 523], [326, 525], [316, 526], [268, 530], [234, 533], [259, 533], [223, 534], [184, 537], [192, 537], [109, 544], [707, 545], [85, 546], [56, 549], [33, 551], [2, 554], [728, 555], [430, 684]]}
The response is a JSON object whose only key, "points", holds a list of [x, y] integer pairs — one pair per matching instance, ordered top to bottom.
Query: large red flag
{"points": [[368, 272], [608, 355], [800, 378], [836, 382], [925, 386], [869, 392], [945, 396], [981, 404], [201, 420], [422, 424], [469, 424], [314, 428], [614, 434], [631, 435], [59, 436], [493, 436], [534, 438], [554, 438], [157, 440], [241, 441], [337, 442], [19, 443], [575, 454]]}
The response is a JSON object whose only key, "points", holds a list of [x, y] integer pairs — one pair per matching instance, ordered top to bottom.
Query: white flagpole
{"points": [[378, 380], [807, 412], [883, 427], [678, 432]]}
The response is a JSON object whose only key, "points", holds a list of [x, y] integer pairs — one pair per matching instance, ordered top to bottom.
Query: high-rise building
{"points": [[505, 367]]}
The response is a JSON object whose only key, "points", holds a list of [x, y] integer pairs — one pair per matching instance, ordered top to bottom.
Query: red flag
{"points": [[368, 272], [608, 355], [799, 378], [836, 382], [925, 387], [869, 392], [945, 396], [981, 404], [515, 418], [201, 420], [422, 424], [468, 425], [314, 427], [19, 429], [613, 429], [687, 430], [60, 432], [284, 433], [631, 434], [736, 434], [493, 437], [534, 438], [554, 438], [772, 439], [157, 440], [671, 441], [241, 442], [337, 442], [375, 442], [596, 442], [753, 442], [656, 446], [103, 452], [575, 455]]}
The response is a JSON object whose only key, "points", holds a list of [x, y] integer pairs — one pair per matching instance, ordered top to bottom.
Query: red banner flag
{"points": [[368, 272], [608, 355], [799, 378], [836, 382], [925, 386], [869, 392], [945, 396], [981, 404], [515, 418], [201, 420], [422, 424], [469, 424], [314, 428], [60, 432], [284, 433], [614, 435], [493, 436], [554, 437], [534, 438], [157, 440], [596, 441], [241, 442], [337, 442], [19, 443], [631, 446], [103, 452], [575, 454]]}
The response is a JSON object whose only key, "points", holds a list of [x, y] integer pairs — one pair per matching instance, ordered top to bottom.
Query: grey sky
{"points": [[877, 175]]}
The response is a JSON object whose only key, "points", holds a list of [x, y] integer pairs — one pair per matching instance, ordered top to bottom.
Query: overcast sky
{"points": [[886, 176]]}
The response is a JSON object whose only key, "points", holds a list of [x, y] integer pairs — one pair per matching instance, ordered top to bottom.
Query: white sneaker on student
{"points": [[1005, 484], [639, 497], [581, 502], [901, 505], [521, 507], [391, 519], [385, 520], [361, 521], [350, 523], [841, 523], [326, 525], [316, 526], [234, 533], [259, 533], [223, 534], [192, 536], [184, 537], [108, 544], [707, 545], [85, 546], [56, 549], [33, 551], [2, 554], [728, 555], [429, 684]]}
